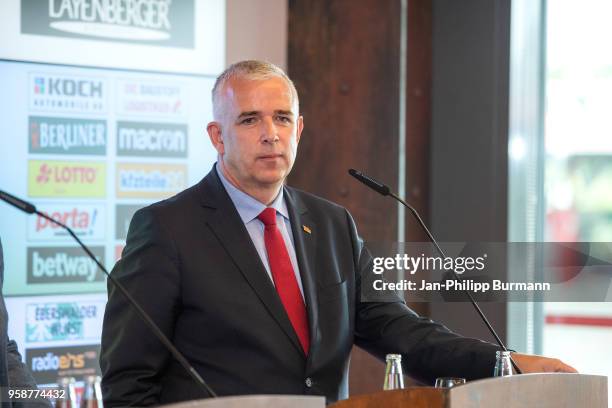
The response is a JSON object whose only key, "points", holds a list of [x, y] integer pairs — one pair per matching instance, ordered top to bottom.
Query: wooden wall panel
{"points": [[344, 56]]}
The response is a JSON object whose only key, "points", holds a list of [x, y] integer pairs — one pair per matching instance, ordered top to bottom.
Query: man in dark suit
{"points": [[257, 283], [13, 373]]}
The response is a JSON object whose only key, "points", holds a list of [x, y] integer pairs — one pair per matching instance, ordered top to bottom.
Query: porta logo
{"points": [[66, 179], [86, 220]]}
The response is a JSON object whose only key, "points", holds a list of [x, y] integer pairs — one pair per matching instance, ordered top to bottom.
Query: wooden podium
{"points": [[529, 390], [517, 391]]}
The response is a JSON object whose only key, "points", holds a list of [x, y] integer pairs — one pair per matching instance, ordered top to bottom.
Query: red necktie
{"points": [[284, 277]]}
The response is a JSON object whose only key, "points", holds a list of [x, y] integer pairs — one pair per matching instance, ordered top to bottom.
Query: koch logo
{"points": [[156, 22], [67, 93], [150, 98], [67, 136], [151, 139], [135, 180], [123, 217], [87, 221], [63, 265], [63, 321], [48, 364]]}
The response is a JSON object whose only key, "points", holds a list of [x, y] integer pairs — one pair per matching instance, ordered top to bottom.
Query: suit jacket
{"points": [[190, 263], [13, 372]]}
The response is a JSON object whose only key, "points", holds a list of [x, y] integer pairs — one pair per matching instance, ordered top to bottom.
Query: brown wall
{"points": [[344, 56]]}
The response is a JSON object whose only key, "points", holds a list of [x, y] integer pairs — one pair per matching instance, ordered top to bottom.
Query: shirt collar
{"points": [[248, 207]]}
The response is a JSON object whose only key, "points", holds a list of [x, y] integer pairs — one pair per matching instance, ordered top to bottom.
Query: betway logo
{"points": [[127, 20], [67, 136], [151, 139], [63, 265]]}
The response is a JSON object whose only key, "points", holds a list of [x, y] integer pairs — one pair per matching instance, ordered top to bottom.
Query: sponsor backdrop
{"points": [[103, 111]]}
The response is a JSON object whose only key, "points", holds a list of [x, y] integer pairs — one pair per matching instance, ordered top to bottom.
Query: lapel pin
{"points": [[306, 229]]}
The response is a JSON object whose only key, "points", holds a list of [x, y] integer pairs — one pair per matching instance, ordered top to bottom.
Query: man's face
{"points": [[258, 133]]}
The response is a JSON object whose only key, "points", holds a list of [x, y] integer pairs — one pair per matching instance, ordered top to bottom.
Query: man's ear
{"points": [[300, 127], [214, 133]]}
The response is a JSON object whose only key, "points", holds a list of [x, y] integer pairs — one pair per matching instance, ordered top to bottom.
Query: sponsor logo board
{"points": [[154, 22], [67, 93], [156, 99], [50, 135], [151, 139], [47, 178], [136, 180], [123, 216], [87, 221], [50, 265], [59, 321], [49, 363]]}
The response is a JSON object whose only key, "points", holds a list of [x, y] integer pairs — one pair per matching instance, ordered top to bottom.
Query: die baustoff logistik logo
{"points": [[152, 22], [51, 92], [151, 99], [53, 135], [48, 178], [139, 180], [88, 221], [61, 321]]}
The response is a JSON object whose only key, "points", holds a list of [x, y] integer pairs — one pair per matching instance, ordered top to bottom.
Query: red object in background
{"points": [[562, 225], [600, 321]]}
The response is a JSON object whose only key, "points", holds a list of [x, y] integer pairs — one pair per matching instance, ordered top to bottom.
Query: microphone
{"points": [[385, 190], [31, 209]]}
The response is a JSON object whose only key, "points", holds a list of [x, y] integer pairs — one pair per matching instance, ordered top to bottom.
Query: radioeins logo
{"points": [[155, 22], [67, 93], [150, 99], [67, 136], [151, 139], [48, 178], [87, 221], [51, 265], [52, 321], [48, 364]]}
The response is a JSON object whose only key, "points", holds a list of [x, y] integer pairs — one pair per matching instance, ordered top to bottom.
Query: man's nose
{"points": [[269, 132]]}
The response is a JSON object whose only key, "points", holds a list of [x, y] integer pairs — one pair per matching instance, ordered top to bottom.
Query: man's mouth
{"points": [[270, 156]]}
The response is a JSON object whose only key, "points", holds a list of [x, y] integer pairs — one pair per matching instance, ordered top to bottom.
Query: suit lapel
{"points": [[225, 223], [304, 238]]}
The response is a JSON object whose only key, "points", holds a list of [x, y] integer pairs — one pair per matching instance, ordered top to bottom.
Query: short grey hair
{"points": [[251, 70]]}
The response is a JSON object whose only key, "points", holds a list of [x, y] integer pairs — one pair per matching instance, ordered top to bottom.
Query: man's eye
{"points": [[284, 119], [247, 121]]}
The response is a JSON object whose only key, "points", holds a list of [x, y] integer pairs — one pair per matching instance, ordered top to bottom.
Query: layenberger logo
{"points": [[156, 22]]}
